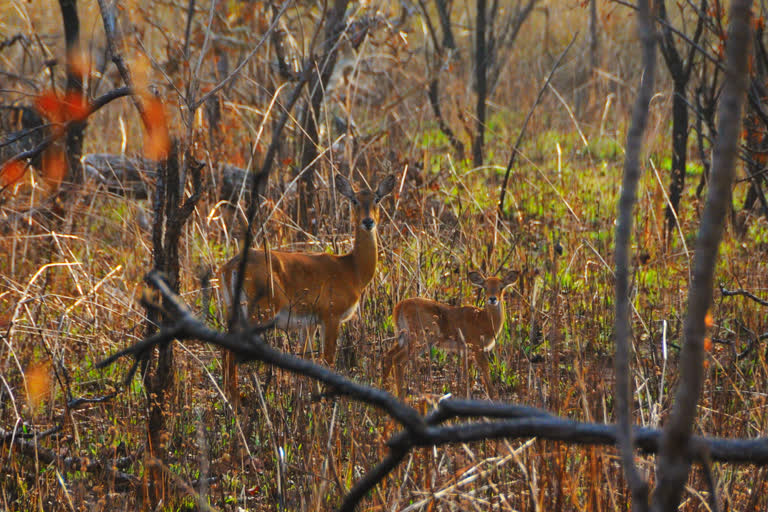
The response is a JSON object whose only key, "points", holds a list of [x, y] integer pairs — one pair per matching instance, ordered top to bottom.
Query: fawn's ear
{"points": [[385, 187], [344, 188], [510, 278], [477, 279]]}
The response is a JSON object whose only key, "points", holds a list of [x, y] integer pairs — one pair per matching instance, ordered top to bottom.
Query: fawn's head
{"points": [[366, 202], [493, 286]]}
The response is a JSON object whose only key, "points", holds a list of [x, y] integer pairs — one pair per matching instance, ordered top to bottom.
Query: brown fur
{"points": [[315, 290], [422, 323]]}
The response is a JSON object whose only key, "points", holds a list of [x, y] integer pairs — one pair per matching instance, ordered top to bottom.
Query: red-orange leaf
{"points": [[49, 105], [76, 106], [157, 142], [54, 167], [11, 172], [38, 383]]}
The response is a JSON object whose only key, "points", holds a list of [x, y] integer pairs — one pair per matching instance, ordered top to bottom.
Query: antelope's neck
{"points": [[364, 255], [495, 316]]}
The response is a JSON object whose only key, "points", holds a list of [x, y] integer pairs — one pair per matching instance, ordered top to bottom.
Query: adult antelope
{"points": [[305, 290], [423, 323]]}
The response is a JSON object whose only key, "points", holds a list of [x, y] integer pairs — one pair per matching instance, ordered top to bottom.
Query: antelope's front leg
{"points": [[330, 333], [481, 357]]}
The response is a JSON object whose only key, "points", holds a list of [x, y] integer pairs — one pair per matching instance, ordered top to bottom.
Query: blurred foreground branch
{"points": [[624, 389], [511, 421], [673, 465]]}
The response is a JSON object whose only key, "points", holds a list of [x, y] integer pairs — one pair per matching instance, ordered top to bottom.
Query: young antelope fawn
{"points": [[303, 290], [423, 323]]}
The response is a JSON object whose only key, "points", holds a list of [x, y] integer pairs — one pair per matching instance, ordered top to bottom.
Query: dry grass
{"points": [[69, 292]]}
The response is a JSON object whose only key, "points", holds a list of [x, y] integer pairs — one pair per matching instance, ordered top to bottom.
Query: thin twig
{"points": [[516, 147], [743, 293]]}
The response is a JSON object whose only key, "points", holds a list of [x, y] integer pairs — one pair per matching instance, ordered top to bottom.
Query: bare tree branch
{"points": [[109, 20], [235, 72], [516, 147], [743, 293], [624, 388], [673, 465]]}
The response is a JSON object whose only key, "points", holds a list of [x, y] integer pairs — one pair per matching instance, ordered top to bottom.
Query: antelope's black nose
{"points": [[368, 224], [493, 300]]}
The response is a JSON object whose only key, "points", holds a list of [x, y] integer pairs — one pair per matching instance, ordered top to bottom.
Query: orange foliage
{"points": [[49, 105], [76, 106], [73, 107], [157, 142], [54, 167], [11, 172], [708, 320], [38, 383]]}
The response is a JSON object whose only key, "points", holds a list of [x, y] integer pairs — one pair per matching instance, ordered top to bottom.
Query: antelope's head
{"points": [[365, 202], [493, 286]]}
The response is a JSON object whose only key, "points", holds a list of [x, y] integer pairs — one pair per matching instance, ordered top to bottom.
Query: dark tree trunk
{"points": [[443, 11], [594, 43], [680, 68], [322, 73], [481, 82], [434, 101], [74, 137], [679, 152], [170, 216]]}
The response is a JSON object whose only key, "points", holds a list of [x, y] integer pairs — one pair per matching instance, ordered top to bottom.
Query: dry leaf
{"points": [[78, 63], [49, 105], [76, 106], [157, 143], [54, 167], [11, 172], [38, 377]]}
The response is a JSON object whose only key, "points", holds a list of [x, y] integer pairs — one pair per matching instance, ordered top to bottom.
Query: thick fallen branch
{"points": [[132, 176], [509, 421], [33, 450]]}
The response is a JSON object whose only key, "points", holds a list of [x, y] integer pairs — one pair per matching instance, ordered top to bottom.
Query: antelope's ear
{"points": [[385, 187], [344, 188], [510, 278], [477, 279]]}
